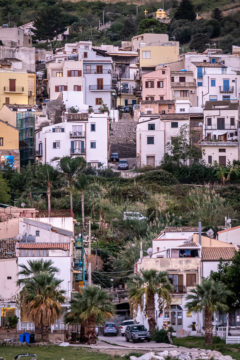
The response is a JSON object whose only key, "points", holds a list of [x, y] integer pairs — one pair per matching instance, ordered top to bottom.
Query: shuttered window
{"points": [[74, 73], [191, 279]]}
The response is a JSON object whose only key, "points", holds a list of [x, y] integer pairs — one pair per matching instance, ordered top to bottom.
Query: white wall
{"points": [[60, 222], [231, 236], [8, 287]]}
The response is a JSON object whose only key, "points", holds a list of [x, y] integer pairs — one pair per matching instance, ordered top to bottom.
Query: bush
{"points": [[160, 177], [160, 336]]}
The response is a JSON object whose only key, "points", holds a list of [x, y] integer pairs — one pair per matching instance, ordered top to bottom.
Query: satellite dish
{"points": [[210, 233], [149, 251]]}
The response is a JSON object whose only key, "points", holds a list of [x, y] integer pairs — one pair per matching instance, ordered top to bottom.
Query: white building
{"points": [[81, 134], [155, 135], [220, 142]]}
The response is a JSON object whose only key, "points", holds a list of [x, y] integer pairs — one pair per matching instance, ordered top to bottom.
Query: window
{"points": [[85, 54], [146, 54], [99, 69], [74, 73], [59, 74], [172, 79], [182, 79], [213, 82], [199, 83], [100, 84], [149, 84], [160, 84], [61, 88], [77, 88], [183, 93], [161, 97], [213, 97], [226, 97], [150, 98], [7, 100], [98, 101], [169, 106], [182, 109], [209, 121], [232, 121], [220, 123], [174, 124], [151, 126], [93, 127], [58, 130], [150, 140], [1, 141], [93, 144], [56, 145], [222, 150], [210, 159], [222, 160], [37, 232], [9, 278], [191, 279]]}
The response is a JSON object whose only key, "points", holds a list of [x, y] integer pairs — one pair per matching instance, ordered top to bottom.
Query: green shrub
{"points": [[160, 177], [160, 336]]}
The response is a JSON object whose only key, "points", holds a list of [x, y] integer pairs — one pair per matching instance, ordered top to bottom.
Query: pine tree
{"points": [[185, 11]]}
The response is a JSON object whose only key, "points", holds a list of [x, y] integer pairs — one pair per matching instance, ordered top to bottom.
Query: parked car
{"points": [[114, 157], [123, 165], [133, 215], [124, 325], [110, 328], [136, 333]]}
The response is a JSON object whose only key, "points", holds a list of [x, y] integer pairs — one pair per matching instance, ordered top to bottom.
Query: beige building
{"points": [[15, 37], [64, 75], [184, 86], [220, 142], [9, 146]]}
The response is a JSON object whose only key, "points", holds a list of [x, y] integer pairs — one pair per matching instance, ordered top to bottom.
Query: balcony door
{"points": [[12, 84], [100, 84], [226, 85], [220, 123], [176, 317]]}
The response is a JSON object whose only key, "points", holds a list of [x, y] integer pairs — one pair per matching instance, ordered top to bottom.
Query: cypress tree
{"points": [[185, 11]]}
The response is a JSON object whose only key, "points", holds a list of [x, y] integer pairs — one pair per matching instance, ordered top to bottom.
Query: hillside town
{"points": [[119, 196]]}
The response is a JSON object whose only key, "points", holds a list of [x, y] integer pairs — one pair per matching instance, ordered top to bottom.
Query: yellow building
{"points": [[161, 14], [153, 55], [17, 87], [9, 146]]}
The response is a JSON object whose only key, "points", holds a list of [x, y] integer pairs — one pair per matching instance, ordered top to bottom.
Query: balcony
{"points": [[104, 71], [184, 85], [100, 87], [16, 90], [226, 90], [76, 117], [77, 134], [225, 143], [77, 151], [38, 154], [179, 289]]}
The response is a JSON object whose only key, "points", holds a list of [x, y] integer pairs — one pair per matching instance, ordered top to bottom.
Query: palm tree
{"points": [[71, 167], [47, 175], [81, 183], [36, 267], [149, 283], [210, 296], [41, 301], [90, 307]]}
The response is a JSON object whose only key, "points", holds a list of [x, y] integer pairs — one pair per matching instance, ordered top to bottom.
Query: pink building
{"points": [[156, 85]]}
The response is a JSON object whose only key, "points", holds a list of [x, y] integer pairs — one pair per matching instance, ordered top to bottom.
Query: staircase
{"points": [[123, 137]]}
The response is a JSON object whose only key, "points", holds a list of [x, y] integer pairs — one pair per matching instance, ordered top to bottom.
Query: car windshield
{"points": [[122, 162], [130, 322], [110, 325], [138, 328]]}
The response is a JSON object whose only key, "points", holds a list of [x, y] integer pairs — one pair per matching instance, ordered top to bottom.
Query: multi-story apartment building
{"points": [[15, 37], [64, 75], [215, 82], [156, 85], [183, 86], [17, 87], [148, 107], [23, 118], [81, 134], [155, 134], [220, 142], [9, 146]]}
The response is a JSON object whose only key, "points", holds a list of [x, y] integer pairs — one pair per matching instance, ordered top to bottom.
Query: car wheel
{"points": [[122, 334], [127, 339], [148, 340]]}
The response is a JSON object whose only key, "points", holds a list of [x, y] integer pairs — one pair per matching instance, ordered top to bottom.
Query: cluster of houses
{"points": [[53, 105], [187, 254]]}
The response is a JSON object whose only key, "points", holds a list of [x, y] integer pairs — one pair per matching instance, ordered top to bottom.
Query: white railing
{"points": [[29, 326]]}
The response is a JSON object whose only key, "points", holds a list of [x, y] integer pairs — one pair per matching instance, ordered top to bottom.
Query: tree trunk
{"points": [[49, 199], [71, 200], [83, 206], [150, 310], [208, 327], [91, 331], [83, 337]]}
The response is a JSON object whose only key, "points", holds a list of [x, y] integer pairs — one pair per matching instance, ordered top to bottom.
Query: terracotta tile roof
{"points": [[207, 64], [224, 105], [233, 228], [167, 239], [188, 244], [63, 246], [217, 253]]}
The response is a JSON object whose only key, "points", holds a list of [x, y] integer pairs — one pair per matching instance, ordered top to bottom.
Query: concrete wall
{"points": [[148, 38], [25, 54], [160, 54], [164, 93], [8, 115], [10, 137], [231, 153], [65, 223], [231, 236], [8, 279]]}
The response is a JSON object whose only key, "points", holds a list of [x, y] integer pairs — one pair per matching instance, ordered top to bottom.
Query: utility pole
{"points": [[103, 17], [141, 250], [89, 254]]}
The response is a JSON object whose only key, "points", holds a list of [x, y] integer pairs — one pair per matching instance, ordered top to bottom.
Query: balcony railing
{"points": [[104, 71], [183, 84], [100, 87], [17, 89], [227, 90], [77, 134], [77, 151], [38, 153], [180, 289]]}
